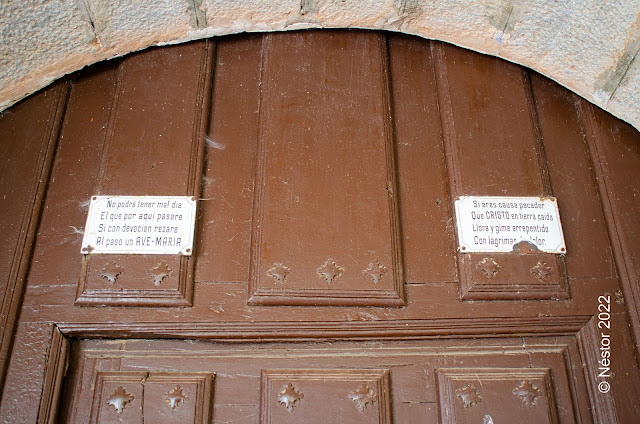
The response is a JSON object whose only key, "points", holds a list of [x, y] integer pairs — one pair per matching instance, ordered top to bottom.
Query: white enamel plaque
{"points": [[497, 224], [148, 225]]}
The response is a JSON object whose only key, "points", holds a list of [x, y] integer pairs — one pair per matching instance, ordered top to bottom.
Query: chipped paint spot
{"points": [[211, 143], [525, 246]]}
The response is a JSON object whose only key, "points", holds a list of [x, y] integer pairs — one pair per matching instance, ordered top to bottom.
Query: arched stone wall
{"points": [[589, 46]]}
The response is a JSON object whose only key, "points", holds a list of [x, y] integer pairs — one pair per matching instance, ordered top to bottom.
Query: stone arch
{"points": [[588, 47]]}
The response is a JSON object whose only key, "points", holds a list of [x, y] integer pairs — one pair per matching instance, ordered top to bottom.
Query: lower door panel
{"points": [[452, 381]]}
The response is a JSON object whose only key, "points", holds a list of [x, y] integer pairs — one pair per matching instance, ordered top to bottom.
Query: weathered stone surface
{"points": [[37, 39], [589, 46]]}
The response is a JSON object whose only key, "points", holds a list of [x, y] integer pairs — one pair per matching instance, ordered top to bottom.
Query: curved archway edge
{"points": [[585, 46]]}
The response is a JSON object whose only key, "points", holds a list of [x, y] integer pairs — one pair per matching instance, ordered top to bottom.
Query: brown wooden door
{"points": [[326, 285]]}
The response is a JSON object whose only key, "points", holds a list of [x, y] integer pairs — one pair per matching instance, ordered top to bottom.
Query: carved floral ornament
{"points": [[489, 267], [330, 270], [375, 270], [111, 271], [541, 271], [160, 272], [278, 272], [527, 392], [468, 395], [362, 396], [175, 397], [289, 397], [119, 399]]}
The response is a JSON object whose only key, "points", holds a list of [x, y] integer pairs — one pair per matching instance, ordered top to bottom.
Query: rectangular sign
{"points": [[498, 224], [148, 225]]}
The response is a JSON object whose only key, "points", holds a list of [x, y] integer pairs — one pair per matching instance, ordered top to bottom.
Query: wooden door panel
{"points": [[153, 111], [34, 122], [489, 136], [494, 148], [615, 151], [348, 154], [73, 177], [325, 224], [441, 381], [510, 394], [345, 395], [158, 397]]}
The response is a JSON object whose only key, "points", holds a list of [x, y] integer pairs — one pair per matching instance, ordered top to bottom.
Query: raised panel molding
{"points": [[605, 138], [495, 157], [325, 232], [516, 276], [129, 280], [342, 330], [589, 339], [55, 371], [339, 382], [312, 395], [487, 395], [118, 396], [132, 396]]}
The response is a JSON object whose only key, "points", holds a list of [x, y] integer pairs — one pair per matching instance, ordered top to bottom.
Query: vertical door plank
{"points": [[151, 133], [29, 135], [489, 135], [615, 151], [227, 192], [425, 206], [588, 250], [57, 259], [54, 374], [25, 379]]}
